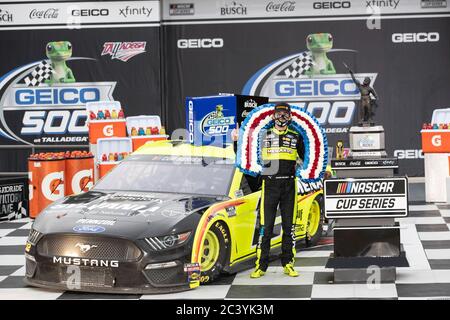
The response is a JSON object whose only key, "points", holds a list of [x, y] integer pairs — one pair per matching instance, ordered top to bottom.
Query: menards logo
{"points": [[365, 187]]}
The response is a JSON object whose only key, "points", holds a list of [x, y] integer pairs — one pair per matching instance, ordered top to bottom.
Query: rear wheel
{"points": [[314, 226], [215, 252]]}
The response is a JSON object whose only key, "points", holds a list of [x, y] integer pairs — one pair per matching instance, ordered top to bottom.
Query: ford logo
{"points": [[88, 229]]}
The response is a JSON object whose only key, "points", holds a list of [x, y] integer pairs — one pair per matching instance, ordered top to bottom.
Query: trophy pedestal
{"points": [[367, 142]]}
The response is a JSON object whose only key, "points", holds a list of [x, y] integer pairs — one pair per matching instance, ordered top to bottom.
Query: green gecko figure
{"points": [[319, 44], [58, 52], [219, 111]]}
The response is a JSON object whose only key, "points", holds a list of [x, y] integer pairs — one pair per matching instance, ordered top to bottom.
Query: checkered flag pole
{"points": [[300, 65], [41, 73]]}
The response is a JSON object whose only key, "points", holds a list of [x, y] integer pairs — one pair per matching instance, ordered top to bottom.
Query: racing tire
{"points": [[316, 218], [216, 250]]}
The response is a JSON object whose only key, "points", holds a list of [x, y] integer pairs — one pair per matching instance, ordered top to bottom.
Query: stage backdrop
{"points": [[259, 48], [112, 49]]}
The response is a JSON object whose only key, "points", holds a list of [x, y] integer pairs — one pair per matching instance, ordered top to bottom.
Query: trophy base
{"points": [[367, 141]]}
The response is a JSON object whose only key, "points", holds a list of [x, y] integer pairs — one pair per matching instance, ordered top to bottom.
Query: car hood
{"points": [[124, 214]]}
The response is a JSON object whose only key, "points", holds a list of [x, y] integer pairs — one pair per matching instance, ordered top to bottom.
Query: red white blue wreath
{"points": [[249, 159]]}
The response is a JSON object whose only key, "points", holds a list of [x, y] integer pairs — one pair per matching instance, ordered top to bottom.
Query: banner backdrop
{"points": [[265, 49], [56, 57]]}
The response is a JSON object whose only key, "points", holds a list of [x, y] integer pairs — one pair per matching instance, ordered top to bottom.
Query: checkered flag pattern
{"points": [[301, 64], [42, 72]]}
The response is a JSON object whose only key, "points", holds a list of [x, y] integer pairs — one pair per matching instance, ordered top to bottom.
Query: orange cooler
{"points": [[106, 129], [139, 141], [79, 175], [46, 183]]}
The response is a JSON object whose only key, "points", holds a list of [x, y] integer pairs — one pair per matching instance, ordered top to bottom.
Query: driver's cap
{"points": [[283, 107]]}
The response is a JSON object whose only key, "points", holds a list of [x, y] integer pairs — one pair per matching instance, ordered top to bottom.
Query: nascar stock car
{"points": [[170, 217]]}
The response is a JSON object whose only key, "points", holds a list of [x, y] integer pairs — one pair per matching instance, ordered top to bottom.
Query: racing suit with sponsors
{"points": [[280, 150]]}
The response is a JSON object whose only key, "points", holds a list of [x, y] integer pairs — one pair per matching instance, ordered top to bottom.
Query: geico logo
{"points": [[332, 5], [90, 12], [415, 37], [200, 43], [313, 88], [56, 96], [220, 121], [191, 122], [108, 130], [436, 140], [409, 154], [82, 181], [53, 186]]}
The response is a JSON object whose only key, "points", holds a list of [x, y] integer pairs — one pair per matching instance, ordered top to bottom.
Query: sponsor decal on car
{"points": [[89, 229]]}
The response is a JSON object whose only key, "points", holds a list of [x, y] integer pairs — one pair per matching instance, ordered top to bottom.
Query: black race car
{"points": [[169, 217]]}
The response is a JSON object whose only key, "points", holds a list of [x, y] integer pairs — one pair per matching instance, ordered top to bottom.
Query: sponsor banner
{"points": [[246, 9], [76, 14], [296, 62], [364, 163], [13, 198], [365, 198]]}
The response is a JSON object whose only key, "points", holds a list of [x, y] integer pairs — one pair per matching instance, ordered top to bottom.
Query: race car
{"points": [[168, 218]]}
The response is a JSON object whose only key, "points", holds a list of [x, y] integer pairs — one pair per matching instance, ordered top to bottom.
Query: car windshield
{"points": [[156, 173]]}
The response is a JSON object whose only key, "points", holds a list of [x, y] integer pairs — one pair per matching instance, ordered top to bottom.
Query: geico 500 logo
{"points": [[415, 37], [200, 43], [303, 79], [212, 125]]}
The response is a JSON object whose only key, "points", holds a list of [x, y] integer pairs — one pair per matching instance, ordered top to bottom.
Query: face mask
{"points": [[282, 120]]}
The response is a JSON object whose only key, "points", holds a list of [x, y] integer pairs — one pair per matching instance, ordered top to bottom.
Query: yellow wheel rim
{"points": [[313, 219], [211, 250]]}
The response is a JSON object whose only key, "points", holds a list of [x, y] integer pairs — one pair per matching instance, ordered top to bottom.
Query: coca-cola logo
{"points": [[281, 6], [50, 13]]}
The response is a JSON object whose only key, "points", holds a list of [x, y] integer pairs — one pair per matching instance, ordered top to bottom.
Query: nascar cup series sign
{"points": [[366, 198]]}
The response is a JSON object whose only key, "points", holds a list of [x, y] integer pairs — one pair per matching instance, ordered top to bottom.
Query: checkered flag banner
{"points": [[301, 64], [42, 72]]}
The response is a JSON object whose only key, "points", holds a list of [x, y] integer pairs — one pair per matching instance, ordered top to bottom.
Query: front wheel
{"points": [[314, 226], [216, 247]]}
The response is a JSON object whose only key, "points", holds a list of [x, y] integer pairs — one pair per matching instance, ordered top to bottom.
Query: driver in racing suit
{"points": [[280, 149]]}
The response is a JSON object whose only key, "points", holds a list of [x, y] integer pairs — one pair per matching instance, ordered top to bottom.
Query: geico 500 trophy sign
{"points": [[365, 198]]}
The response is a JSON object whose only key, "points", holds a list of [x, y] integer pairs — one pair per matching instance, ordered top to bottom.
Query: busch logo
{"points": [[233, 9], [5, 16], [123, 51], [250, 104]]}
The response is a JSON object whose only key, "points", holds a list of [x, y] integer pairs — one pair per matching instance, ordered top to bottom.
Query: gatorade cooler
{"points": [[111, 123], [145, 128], [110, 152], [79, 174], [46, 183]]}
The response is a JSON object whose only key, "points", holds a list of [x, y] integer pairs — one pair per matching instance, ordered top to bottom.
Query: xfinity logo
{"points": [[382, 4], [332, 5], [281, 6], [234, 8], [128, 11], [90, 12], [51, 13], [5, 16], [415, 37], [200, 43], [85, 247], [86, 262]]}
